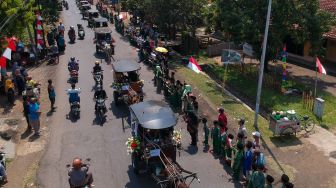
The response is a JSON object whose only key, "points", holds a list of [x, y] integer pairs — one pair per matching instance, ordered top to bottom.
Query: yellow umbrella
{"points": [[161, 49]]}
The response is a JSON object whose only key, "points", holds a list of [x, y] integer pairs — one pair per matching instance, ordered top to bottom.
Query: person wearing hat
{"points": [[34, 116], [222, 119], [256, 143]]}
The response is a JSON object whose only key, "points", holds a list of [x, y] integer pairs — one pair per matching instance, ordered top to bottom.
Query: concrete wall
{"points": [[216, 49]]}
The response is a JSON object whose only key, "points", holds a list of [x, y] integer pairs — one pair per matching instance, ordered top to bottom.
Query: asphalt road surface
{"points": [[105, 145]]}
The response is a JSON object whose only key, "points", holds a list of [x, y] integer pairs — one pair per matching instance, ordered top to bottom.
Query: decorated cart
{"points": [[284, 123], [154, 144]]}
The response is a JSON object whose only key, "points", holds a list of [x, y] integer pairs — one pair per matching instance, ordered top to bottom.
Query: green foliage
{"points": [[18, 12], [169, 16], [244, 21]]}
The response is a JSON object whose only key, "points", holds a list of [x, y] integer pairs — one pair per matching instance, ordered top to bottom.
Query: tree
{"points": [[16, 11], [245, 21]]}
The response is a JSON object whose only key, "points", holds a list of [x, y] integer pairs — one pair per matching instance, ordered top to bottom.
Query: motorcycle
{"points": [[66, 5], [81, 32], [72, 36], [53, 55], [73, 77], [98, 78], [100, 109], [75, 110]]}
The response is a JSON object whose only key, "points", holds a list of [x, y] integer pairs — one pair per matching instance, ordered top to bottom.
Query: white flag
{"points": [[7, 53]]}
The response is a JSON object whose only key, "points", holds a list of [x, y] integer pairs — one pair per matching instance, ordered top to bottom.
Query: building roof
{"points": [[328, 5], [331, 34]]}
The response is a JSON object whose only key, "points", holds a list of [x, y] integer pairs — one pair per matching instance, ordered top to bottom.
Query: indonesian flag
{"points": [[2, 62], [193, 65], [320, 68]]}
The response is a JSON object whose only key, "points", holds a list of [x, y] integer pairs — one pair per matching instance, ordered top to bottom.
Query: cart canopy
{"points": [[100, 19], [103, 30], [125, 66], [154, 114]]}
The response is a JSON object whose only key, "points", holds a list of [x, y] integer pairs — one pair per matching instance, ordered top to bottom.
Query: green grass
{"points": [[271, 99]]}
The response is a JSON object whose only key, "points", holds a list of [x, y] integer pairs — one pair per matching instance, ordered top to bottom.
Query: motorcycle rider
{"points": [[72, 33], [73, 64], [97, 69], [100, 93], [73, 94], [79, 175]]}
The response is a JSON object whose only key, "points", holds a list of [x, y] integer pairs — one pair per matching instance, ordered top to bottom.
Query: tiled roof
{"points": [[328, 5], [331, 34]]}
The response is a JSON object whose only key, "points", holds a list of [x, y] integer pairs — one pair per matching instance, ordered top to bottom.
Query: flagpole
{"points": [[316, 67]]}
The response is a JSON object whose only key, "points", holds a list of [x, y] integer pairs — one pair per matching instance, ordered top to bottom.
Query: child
{"points": [[52, 95], [242, 129], [206, 131], [215, 135], [223, 142], [256, 143], [229, 148], [238, 162], [257, 178], [269, 181]]}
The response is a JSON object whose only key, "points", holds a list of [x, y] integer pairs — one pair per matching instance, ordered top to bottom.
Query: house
{"points": [[330, 6]]}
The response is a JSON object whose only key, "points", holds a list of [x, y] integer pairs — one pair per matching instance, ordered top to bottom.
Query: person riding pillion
{"points": [[100, 93], [74, 94]]}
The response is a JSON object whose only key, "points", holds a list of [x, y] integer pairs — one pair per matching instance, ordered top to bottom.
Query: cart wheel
{"points": [[116, 98], [309, 126], [288, 131], [135, 166]]}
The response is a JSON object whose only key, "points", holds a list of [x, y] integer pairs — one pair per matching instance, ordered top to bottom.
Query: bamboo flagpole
{"points": [[316, 69]]}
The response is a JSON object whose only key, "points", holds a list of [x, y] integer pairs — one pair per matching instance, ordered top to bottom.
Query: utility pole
{"points": [[262, 64]]}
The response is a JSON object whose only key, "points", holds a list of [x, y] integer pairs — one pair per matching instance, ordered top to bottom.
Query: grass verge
{"points": [[271, 99]]}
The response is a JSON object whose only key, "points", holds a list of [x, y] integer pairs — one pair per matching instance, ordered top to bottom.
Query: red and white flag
{"points": [[7, 53], [193, 65], [320, 68]]}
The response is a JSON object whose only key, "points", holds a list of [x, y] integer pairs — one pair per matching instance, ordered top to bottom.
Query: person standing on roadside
{"points": [[20, 82], [52, 94], [26, 106], [34, 116], [222, 119], [192, 127], [215, 135]]}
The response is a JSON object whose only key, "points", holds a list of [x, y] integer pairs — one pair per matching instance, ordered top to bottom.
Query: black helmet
{"points": [[72, 59]]}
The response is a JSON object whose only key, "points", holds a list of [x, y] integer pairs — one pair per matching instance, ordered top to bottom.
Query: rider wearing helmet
{"points": [[72, 32], [73, 64], [97, 70], [100, 93], [73, 94], [79, 175]]}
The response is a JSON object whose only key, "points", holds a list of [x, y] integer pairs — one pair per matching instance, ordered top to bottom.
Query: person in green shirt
{"points": [[206, 132], [215, 135], [223, 142], [238, 162], [257, 179], [269, 181]]}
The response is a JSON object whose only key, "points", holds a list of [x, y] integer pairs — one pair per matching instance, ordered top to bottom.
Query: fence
{"points": [[308, 100]]}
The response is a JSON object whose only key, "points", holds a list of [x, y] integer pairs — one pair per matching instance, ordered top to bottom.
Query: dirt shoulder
{"points": [[28, 150]]}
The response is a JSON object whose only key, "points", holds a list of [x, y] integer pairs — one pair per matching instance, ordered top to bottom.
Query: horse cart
{"points": [[127, 85], [154, 145]]}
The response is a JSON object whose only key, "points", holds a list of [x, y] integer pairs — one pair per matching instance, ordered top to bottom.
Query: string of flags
{"points": [[39, 32]]}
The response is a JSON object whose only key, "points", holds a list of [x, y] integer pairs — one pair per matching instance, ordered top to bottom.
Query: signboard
{"points": [[248, 49], [230, 57]]}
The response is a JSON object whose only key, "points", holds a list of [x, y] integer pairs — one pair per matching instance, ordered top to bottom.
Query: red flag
{"points": [[11, 45], [3, 62], [193, 65], [320, 67]]}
